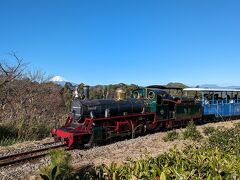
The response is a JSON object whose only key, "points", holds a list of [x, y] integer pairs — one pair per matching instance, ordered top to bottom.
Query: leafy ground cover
{"points": [[217, 157]]}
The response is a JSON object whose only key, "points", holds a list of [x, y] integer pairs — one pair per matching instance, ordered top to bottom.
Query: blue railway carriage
{"points": [[217, 103]]}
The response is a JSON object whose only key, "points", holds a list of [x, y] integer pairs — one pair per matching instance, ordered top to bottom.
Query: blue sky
{"points": [[132, 41]]}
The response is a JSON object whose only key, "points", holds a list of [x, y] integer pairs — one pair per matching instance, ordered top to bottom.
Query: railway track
{"points": [[28, 155]]}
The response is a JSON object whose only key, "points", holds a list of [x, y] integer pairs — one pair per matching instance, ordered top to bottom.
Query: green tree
{"points": [[68, 95]]}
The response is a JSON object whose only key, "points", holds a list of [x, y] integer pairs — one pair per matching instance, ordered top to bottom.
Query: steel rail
{"points": [[22, 156]]}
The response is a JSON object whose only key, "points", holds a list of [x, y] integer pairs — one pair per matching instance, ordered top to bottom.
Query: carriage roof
{"points": [[164, 87]]}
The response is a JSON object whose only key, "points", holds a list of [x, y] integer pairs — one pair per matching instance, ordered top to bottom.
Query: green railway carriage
{"points": [[170, 110], [189, 110]]}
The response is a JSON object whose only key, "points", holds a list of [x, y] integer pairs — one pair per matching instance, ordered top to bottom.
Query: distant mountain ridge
{"points": [[62, 81], [209, 86], [216, 86]]}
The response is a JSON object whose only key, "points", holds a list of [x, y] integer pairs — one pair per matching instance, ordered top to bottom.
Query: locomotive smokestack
{"points": [[86, 91]]}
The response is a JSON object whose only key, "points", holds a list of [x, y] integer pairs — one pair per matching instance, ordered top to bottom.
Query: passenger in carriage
{"points": [[168, 97], [196, 97], [228, 98], [235, 98], [210, 99], [216, 99], [177, 100], [206, 100], [220, 100], [232, 100]]}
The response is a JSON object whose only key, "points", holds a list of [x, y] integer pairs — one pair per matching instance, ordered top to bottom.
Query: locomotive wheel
{"points": [[56, 139], [90, 142], [78, 145]]}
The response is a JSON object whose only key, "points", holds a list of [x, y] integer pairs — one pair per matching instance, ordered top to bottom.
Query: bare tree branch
{"points": [[10, 72], [38, 76]]}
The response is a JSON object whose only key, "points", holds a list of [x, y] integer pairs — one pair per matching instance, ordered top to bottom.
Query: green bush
{"points": [[237, 126], [23, 130], [208, 130], [6, 131], [191, 132], [8, 135], [171, 136], [227, 140], [10, 141], [217, 158], [192, 163], [59, 167]]}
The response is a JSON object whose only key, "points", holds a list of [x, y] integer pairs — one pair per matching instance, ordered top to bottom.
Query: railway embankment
{"points": [[151, 145]]}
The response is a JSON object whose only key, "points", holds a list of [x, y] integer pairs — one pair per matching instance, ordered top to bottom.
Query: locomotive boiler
{"points": [[97, 108], [106, 108]]}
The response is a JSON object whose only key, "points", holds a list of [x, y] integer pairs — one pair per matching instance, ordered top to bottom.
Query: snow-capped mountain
{"points": [[57, 79], [60, 80]]}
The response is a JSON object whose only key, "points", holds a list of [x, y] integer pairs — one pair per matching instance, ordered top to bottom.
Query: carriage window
{"points": [[135, 95], [151, 95], [159, 99]]}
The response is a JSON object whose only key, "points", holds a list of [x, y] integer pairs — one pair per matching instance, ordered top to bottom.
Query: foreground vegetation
{"points": [[190, 132], [216, 157], [60, 166]]}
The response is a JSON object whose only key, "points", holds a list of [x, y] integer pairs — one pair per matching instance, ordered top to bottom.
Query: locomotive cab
{"points": [[172, 109]]}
